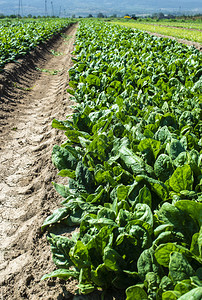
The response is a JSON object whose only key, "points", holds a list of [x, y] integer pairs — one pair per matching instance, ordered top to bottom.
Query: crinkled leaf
{"points": [[63, 159], [182, 179], [143, 212], [60, 247], [162, 253], [147, 263], [179, 267]]}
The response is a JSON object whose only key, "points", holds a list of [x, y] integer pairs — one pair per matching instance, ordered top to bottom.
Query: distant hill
{"points": [[107, 7]]}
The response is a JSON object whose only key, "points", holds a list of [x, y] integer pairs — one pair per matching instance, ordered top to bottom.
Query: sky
{"points": [[108, 7]]}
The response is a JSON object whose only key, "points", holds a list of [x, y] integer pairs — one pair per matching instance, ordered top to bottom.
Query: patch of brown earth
{"points": [[33, 93]]}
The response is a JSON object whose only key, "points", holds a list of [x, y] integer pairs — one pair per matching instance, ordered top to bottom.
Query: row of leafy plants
{"points": [[180, 33], [19, 37], [133, 158]]}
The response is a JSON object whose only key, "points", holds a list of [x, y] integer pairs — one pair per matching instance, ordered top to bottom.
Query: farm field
{"points": [[182, 23], [197, 26], [162, 28], [19, 37], [124, 220]]}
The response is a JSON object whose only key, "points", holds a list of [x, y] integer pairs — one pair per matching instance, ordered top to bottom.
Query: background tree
{"points": [[100, 15]]}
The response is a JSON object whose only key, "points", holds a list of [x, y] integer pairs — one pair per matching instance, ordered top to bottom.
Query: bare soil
{"points": [[33, 94]]}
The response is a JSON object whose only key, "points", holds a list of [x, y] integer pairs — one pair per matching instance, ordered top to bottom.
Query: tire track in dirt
{"points": [[26, 192]]}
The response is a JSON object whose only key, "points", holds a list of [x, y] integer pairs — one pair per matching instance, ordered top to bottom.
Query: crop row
{"points": [[186, 24], [180, 33], [19, 37], [133, 158]]}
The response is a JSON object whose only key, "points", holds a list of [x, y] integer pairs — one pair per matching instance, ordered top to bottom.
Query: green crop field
{"points": [[182, 23], [178, 24], [181, 33], [18, 37], [133, 166]]}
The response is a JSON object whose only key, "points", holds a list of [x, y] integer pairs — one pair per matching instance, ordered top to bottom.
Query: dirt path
{"points": [[26, 193]]}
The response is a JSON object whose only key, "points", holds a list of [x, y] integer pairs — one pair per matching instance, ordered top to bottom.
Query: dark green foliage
{"points": [[20, 37], [133, 155]]}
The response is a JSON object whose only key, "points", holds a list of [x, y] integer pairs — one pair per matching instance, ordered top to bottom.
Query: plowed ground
{"points": [[33, 94]]}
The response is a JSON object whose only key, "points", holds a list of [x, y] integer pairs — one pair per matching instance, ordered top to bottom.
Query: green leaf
{"points": [[93, 80], [62, 125], [150, 148], [175, 148], [63, 159], [132, 161], [163, 167], [67, 173], [84, 177], [182, 179], [157, 186], [61, 189], [122, 192], [144, 196], [97, 197], [192, 208], [143, 212], [106, 213], [57, 215], [123, 217], [180, 219], [97, 245], [127, 245], [60, 247], [194, 248], [163, 251], [79, 255], [112, 260], [147, 263], [179, 267], [62, 274], [101, 276], [183, 287], [86, 288], [136, 292], [195, 294], [171, 295]]}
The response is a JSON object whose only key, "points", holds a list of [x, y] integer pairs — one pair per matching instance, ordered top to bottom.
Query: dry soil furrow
{"points": [[26, 193]]}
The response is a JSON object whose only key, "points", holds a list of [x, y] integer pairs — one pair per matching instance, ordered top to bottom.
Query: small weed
{"points": [[66, 37], [55, 53], [51, 72], [22, 88], [14, 128]]}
